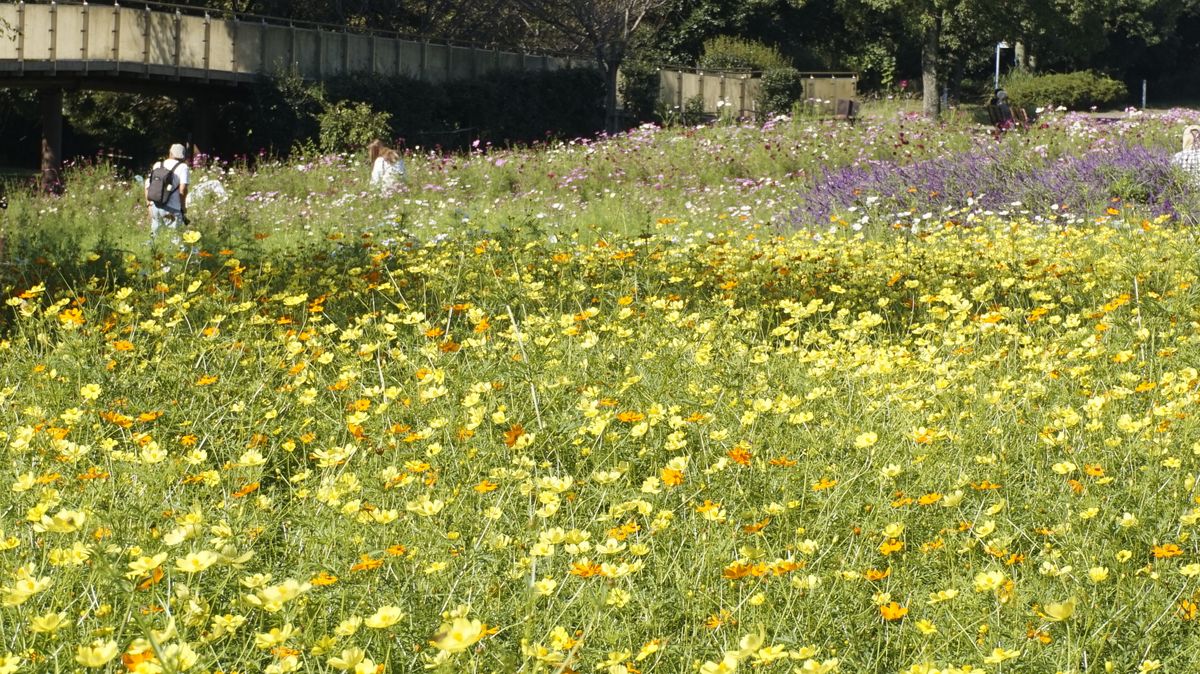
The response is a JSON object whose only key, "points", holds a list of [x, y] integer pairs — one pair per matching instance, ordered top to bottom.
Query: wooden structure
{"points": [[181, 50], [722, 91]]}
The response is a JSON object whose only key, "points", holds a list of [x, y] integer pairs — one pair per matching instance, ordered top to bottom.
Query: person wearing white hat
{"points": [[1189, 158], [168, 202]]}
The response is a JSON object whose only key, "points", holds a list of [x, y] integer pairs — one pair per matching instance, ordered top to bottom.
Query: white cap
{"points": [[176, 152]]}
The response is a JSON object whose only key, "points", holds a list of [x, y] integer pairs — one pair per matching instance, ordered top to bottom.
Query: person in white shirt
{"points": [[1189, 158], [387, 168], [174, 210]]}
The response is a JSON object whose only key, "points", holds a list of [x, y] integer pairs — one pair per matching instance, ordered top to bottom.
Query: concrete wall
{"points": [[78, 39]]}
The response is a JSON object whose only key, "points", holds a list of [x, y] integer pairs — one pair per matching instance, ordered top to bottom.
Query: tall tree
{"points": [[604, 27], [944, 29]]}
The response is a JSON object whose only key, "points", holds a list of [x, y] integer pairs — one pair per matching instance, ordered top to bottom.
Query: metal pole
{"points": [[998, 64], [1143, 94]]}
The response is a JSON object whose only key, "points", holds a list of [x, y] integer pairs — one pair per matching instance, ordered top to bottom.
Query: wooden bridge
{"points": [[185, 51]]}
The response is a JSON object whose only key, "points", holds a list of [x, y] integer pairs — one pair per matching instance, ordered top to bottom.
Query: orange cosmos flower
{"points": [[513, 434], [739, 455], [93, 473], [671, 477], [823, 484], [244, 491], [929, 499], [756, 527], [891, 545], [1166, 551], [366, 563], [585, 569], [876, 574], [156, 575], [323, 579], [1188, 610], [893, 611]]}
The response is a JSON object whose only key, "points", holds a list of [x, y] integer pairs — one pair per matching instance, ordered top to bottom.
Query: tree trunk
{"points": [[931, 104], [612, 119]]}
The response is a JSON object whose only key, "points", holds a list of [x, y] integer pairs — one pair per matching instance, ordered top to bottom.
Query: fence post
{"points": [[21, 34], [54, 37], [116, 38], [146, 42], [178, 42], [207, 45], [83, 47], [262, 47], [345, 51], [320, 56], [233, 60], [292, 64]]}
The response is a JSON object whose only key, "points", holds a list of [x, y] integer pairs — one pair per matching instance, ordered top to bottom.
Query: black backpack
{"points": [[161, 185]]}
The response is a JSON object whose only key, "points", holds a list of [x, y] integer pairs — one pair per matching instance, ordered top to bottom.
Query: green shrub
{"points": [[731, 53], [780, 89], [639, 90], [1075, 91], [346, 125]]}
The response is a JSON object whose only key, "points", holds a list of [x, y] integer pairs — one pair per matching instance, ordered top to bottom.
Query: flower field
{"points": [[708, 401]]}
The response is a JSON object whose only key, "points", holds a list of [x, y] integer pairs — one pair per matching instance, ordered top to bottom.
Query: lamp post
{"points": [[999, 45]]}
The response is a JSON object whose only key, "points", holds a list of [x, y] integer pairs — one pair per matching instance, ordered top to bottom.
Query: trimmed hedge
{"points": [[729, 53], [1075, 91]]}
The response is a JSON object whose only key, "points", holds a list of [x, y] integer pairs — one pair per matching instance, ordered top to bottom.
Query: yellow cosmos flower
{"points": [[865, 440], [63, 522], [195, 562], [143, 565], [989, 580], [1059, 611], [385, 617], [49, 623], [458, 635], [96, 655], [1000, 655], [349, 659], [727, 665]]}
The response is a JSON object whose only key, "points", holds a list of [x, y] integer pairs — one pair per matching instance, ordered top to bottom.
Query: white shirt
{"points": [[1188, 160], [385, 174], [179, 177]]}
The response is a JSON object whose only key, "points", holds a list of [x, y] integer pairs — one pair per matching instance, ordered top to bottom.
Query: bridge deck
{"points": [[85, 40]]}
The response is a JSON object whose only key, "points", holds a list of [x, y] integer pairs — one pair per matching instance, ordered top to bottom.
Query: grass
{"points": [[659, 428]]}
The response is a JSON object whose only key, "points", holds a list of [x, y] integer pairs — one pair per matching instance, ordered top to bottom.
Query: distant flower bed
{"points": [[997, 178]]}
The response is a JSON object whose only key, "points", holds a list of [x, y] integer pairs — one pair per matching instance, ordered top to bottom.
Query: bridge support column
{"points": [[52, 120]]}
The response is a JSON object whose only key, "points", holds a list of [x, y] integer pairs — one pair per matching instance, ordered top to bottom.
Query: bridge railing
{"points": [[160, 40]]}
